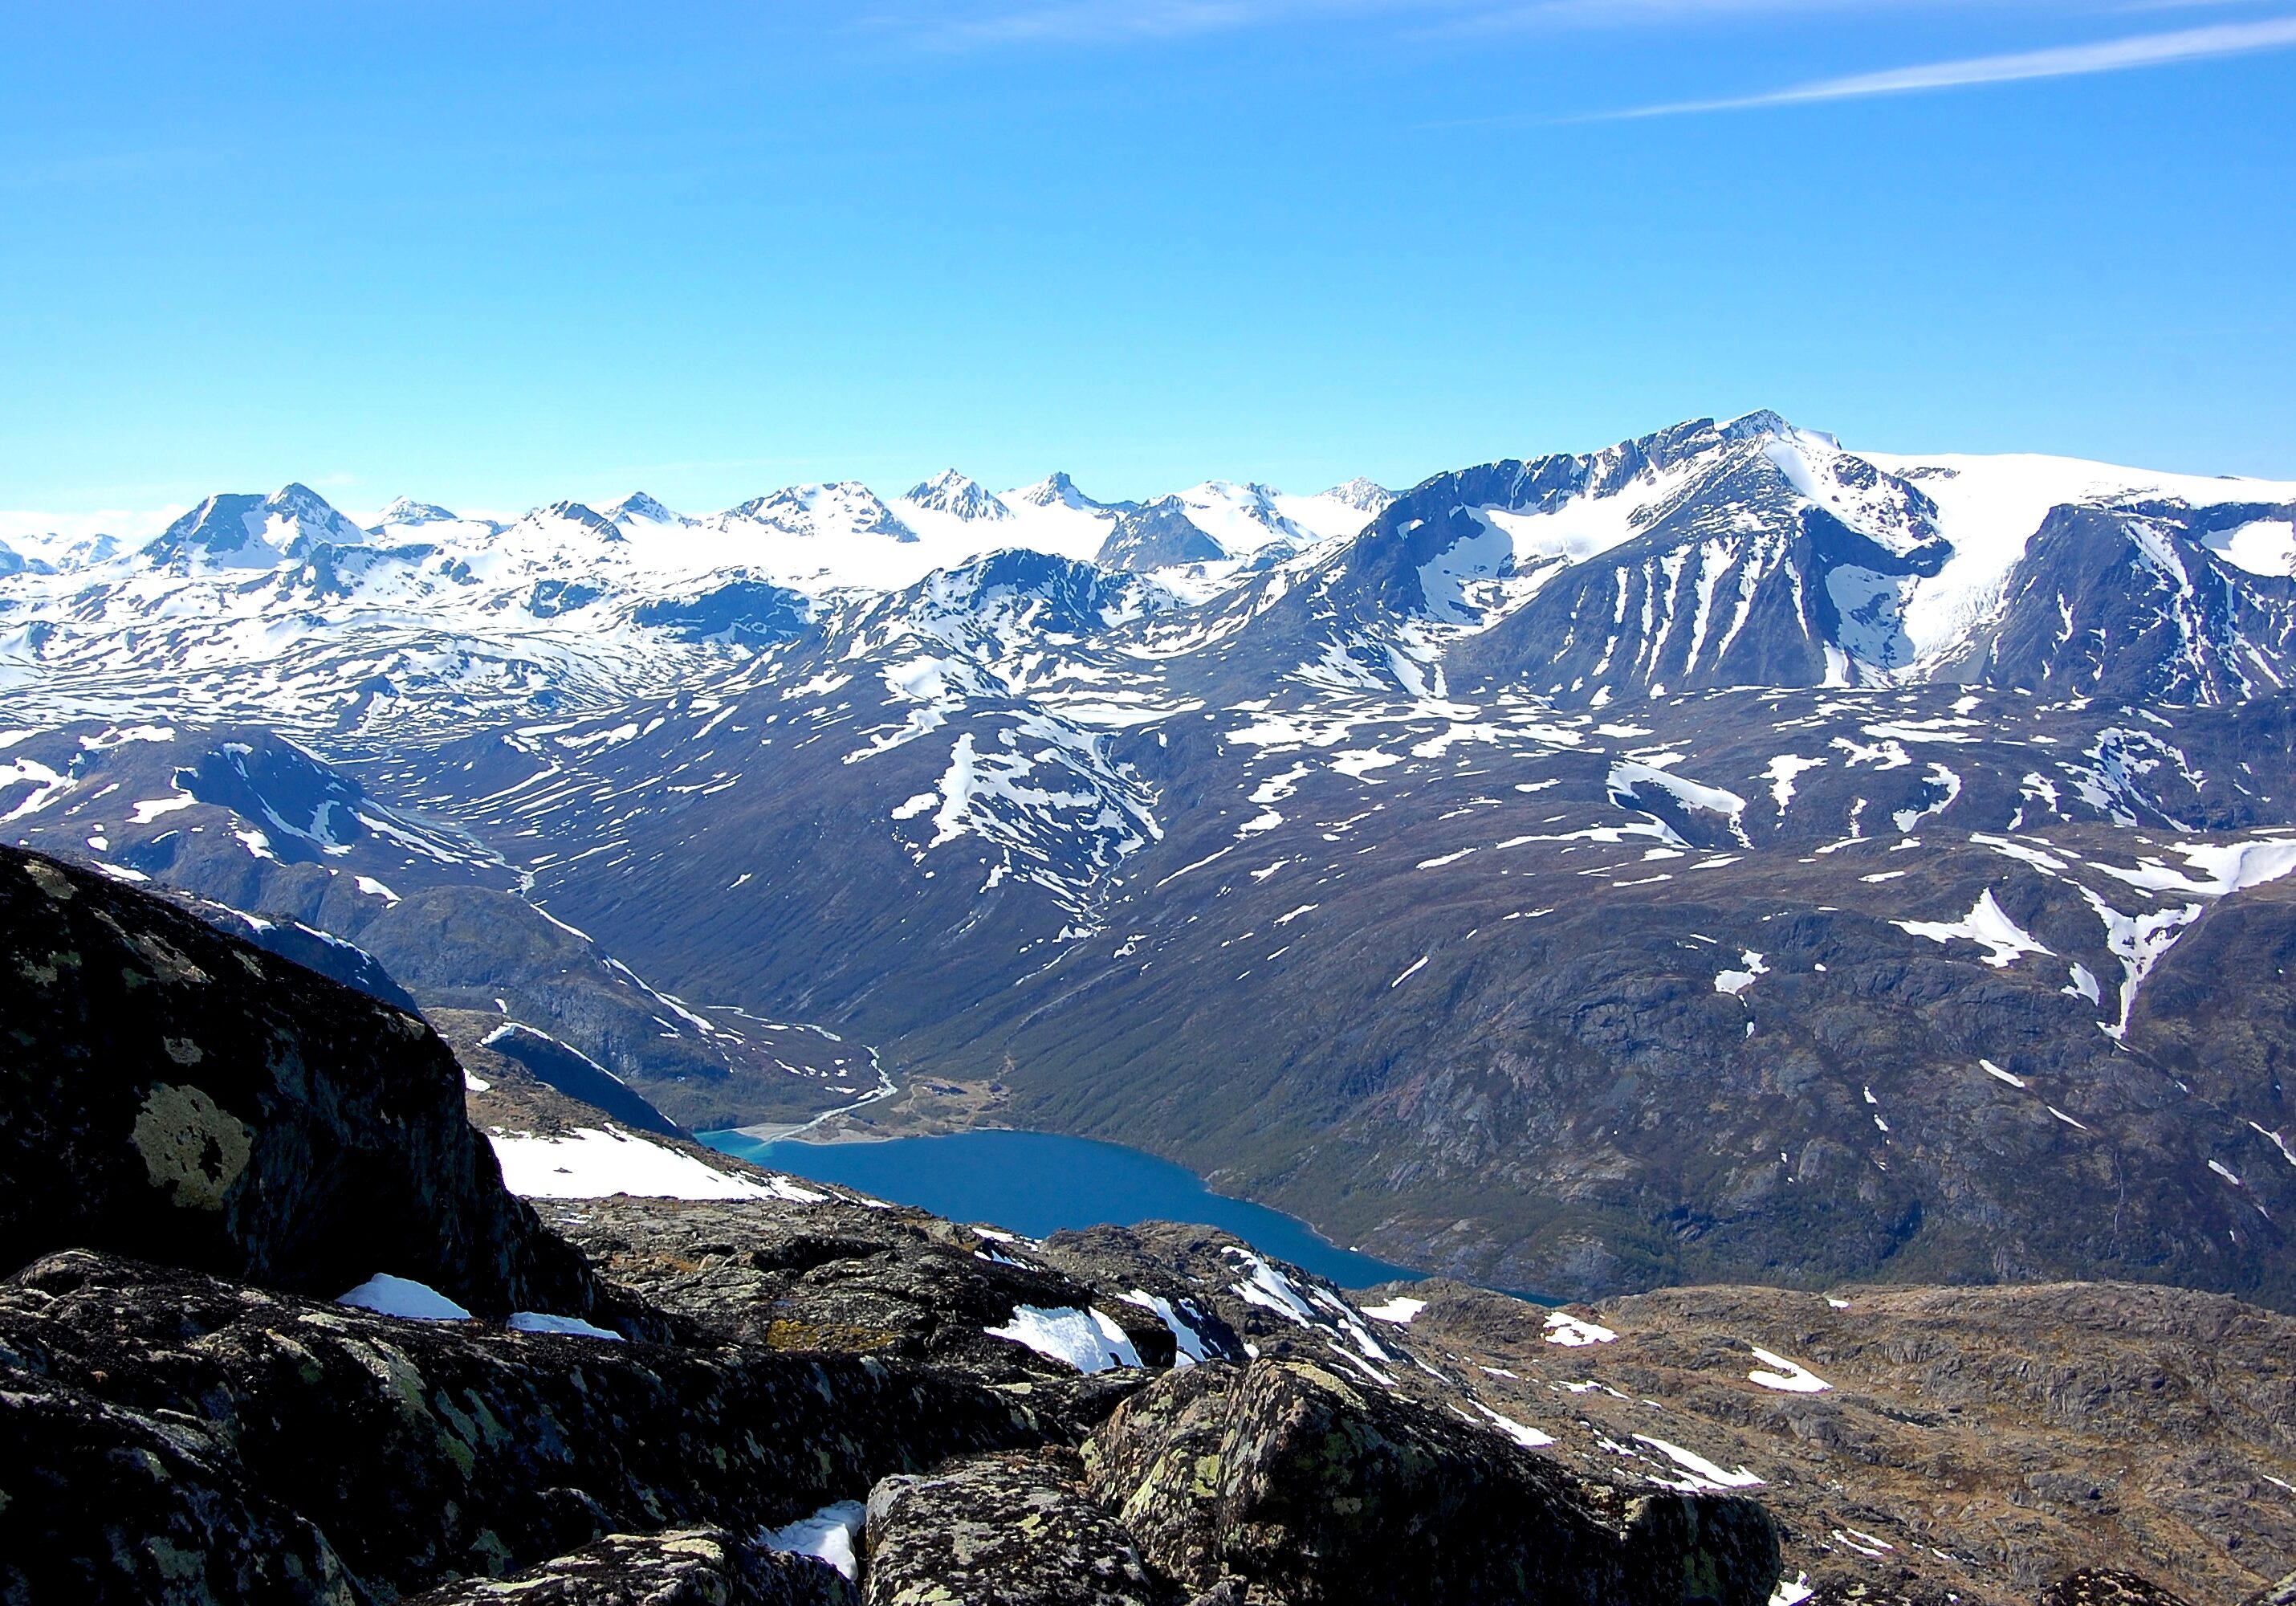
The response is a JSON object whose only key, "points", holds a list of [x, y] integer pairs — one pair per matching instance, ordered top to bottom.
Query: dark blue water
{"points": [[1035, 1182]]}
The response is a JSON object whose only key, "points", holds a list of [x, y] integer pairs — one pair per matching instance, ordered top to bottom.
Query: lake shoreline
{"points": [[817, 1134], [1038, 1182]]}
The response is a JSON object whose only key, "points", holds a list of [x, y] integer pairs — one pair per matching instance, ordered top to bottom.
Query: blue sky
{"points": [[495, 254]]}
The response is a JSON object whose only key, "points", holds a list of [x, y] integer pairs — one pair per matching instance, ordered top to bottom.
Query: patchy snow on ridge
{"points": [[1988, 508], [2216, 870], [1986, 922], [1735, 982], [596, 1163], [1270, 1289], [403, 1296], [538, 1321], [1574, 1332], [1089, 1340], [1190, 1343], [1785, 1376], [1530, 1438], [1703, 1473], [829, 1533]]}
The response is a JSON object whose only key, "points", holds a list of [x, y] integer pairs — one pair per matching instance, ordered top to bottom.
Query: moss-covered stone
{"points": [[171, 1093], [1297, 1486]]}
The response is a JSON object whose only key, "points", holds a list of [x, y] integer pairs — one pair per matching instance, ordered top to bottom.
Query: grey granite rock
{"points": [[1303, 1487], [1015, 1529], [683, 1567]]}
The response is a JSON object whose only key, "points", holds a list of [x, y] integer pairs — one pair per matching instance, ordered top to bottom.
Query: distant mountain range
{"points": [[1725, 854]]}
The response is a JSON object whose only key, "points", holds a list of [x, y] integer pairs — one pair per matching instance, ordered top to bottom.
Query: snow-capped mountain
{"points": [[1056, 489], [953, 493], [1365, 496], [639, 509], [405, 513], [251, 532], [1159, 535], [1725, 854]]}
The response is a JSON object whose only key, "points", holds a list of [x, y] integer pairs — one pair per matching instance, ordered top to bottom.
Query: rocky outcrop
{"points": [[1157, 536], [169, 1091], [838, 1276], [189, 1440], [1971, 1443], [1920, 1444], [1302, 1487], [1014, 1528], [685, 1567], [2103, 1586], [2281, 1594]]}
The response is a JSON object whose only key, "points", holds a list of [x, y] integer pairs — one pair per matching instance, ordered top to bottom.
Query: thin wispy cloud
{"points": [[1523, 16], [988, 24], [2068, 60]]}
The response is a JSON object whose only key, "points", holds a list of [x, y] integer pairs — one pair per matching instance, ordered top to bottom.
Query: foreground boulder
{"points": [[170, 1093], [832, 1274], [170, 1438], [1290, 1485], [1015, 1528], [688, 1567]]}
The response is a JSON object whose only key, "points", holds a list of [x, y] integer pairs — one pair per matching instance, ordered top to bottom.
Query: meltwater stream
{"points": [[1038, 1182]]}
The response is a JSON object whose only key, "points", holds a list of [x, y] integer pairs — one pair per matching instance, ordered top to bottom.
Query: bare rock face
{"points": [[171, 1093], [834, 1275], [189, 1440], [1293, 1486], [108, 1502], [1016, 1527], [685, 1567], [2104, 1587], [2281, 1594]]}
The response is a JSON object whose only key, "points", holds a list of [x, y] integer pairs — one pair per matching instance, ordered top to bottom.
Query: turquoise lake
{"points": [[1036, 1183]]}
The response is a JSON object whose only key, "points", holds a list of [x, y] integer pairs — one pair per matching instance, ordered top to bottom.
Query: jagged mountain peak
{"points": [[1764, 424], [1056, 489], [1241, 491], [958, 495], [1367, 495], [298, 500], [843, 507], [637, 508], [407, 511], [576, 513], [242, 530], [1160, 535], [1036, 591]]}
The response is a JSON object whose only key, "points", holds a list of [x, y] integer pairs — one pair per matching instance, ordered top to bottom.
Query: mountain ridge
{"points": [[1430, 874]]}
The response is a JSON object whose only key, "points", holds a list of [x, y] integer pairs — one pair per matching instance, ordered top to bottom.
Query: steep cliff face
{"points": [[172, 1093]]}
